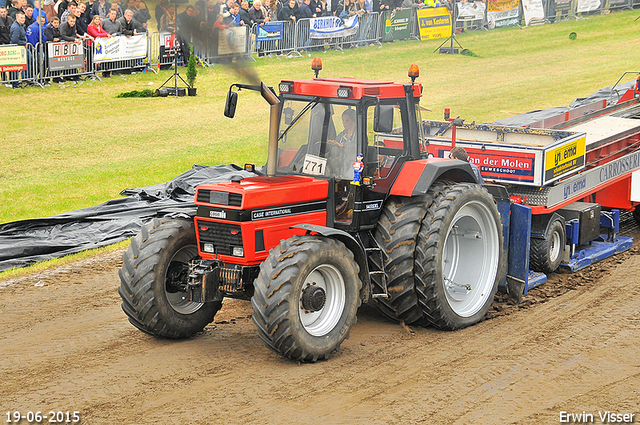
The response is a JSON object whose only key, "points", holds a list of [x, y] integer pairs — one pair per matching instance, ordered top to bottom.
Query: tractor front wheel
{"points": [[153, 281], [306, 297]]}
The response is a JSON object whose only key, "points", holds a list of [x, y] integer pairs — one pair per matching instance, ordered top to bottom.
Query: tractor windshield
{"points": [[317, 138]]}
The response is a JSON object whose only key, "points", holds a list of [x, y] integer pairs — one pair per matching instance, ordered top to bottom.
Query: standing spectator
{"points": [[115, 4], [16, 6], [61, 7], [100, 8], [161, 9], [346, 9], [70, 10], [226, 10], [268, 10], [305, 10], [37, 11], [289, 12], [86, 13], [244, 13], [141, 14], [258, 14], [28, 16], [235, 16], [168, 23], [186, 23], [111, 24], [81, 25], [128, 25], [5, 26], [68, 29], [52, 30], [95, 30], [32, 33], [19, 37]]}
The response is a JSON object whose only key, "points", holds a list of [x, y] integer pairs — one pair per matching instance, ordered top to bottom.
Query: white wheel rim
{"points": [[554, 247], [470, 258], [178, 300], [323, 321]]}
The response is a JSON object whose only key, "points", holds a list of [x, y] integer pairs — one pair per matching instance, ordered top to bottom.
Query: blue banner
{"points": [[332, 26], [270, 31]]}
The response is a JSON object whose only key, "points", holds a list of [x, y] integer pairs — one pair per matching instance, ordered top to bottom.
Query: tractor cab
{"points": [[334, 129]]}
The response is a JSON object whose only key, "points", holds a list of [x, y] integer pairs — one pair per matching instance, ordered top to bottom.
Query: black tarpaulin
{"points": [[29, 241]]}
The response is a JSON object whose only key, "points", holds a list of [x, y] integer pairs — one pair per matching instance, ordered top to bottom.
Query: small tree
{"points": [[192, 72]]}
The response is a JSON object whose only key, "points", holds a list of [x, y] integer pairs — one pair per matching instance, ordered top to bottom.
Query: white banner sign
{"points": [[587, 5], [533, 9], [471, 11], [332, 26], [232, 40], [109, 49]]}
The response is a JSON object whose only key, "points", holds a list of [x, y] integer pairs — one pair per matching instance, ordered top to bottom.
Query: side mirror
{"points": [[230, 105], [383, 119]]}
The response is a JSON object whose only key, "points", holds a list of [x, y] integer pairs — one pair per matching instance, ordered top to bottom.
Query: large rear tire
{"points": [[396, 234], [546, 253], [459, 256], [155, 266], [306, 297]]}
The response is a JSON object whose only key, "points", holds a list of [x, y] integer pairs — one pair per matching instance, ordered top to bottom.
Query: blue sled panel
{"points": [[597, 251]]}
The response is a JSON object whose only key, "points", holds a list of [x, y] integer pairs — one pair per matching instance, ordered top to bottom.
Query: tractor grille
{"points": [[220, 198], [223, 236]]}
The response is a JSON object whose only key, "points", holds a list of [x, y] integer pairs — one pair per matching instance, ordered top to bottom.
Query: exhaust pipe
{"points": [[274, 128]]}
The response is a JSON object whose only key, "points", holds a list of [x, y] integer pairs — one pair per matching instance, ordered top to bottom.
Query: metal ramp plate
{"points": [[597, 251]]}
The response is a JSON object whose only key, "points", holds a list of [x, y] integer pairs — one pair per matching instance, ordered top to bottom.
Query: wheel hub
{"points": [[313, 298]]}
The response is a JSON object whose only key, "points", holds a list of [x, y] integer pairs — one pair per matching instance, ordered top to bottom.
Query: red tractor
{"points": [[337, 219]]}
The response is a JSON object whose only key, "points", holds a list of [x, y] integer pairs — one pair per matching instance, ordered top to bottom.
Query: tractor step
{"points": [[380, 276]]}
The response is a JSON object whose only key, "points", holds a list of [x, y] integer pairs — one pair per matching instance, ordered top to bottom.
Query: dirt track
{"points": [[572, 346]]}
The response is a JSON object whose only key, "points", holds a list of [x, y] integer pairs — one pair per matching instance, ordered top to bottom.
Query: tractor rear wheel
{"points": [[396, 234], [546, 253], [459, 256], [153, 279], [306, 297]]}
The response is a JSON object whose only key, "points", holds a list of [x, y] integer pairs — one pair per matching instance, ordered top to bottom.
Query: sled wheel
{"points": [[546, 253]]}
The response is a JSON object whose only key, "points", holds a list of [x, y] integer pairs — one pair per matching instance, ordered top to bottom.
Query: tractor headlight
{"points": [[208, 247], [238, 251]]}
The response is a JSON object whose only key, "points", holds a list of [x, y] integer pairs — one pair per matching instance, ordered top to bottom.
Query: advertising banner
{"points": [[587, 5], [532, 9], [471, 11], [503, 13], [434, 22], [396, 25], [332, 26], [270, 31], [233, 41], [109, 49], [65, 55], [13, 58], [564, 159], [501, 165]]}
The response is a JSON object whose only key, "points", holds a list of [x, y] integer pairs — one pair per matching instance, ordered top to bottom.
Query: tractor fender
{"points": [[416, 177], [540, 224], [352, 244]]}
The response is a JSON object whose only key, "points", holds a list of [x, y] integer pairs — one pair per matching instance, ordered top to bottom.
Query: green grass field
{"points": [[77, 146]]}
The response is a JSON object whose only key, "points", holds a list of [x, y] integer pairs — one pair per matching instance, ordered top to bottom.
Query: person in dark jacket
{"points": [[15, 8], [100, 8], [305, 10], [289, 12], [244, 13], [141, 14], [81, 25], [128, 25], [5, 26], [68, 29], [52, 30], [19, 37]]}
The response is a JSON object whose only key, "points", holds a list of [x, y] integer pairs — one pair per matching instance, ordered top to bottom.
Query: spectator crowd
{"points": [[28, 22]]}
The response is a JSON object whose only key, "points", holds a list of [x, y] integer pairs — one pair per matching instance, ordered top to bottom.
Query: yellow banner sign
{"points": [[434, 22], [564, 159]]}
